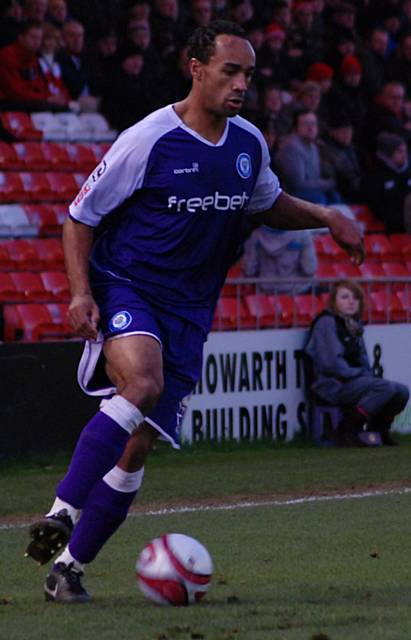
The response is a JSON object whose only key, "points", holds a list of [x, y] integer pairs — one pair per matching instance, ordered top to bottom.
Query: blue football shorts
{"points": [[125, 312]]}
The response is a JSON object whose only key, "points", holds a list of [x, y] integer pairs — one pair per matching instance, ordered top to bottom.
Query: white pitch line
{"points": [[250, 505]]}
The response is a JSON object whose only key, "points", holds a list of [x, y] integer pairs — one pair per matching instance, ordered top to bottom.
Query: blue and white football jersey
{"points": [[178, 208]]}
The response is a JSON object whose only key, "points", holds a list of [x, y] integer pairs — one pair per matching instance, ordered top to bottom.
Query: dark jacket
{"points": [[384, 189], [335, 356]]}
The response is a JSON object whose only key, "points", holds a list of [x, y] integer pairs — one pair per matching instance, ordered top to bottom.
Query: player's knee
{"points": [[144, 392]]}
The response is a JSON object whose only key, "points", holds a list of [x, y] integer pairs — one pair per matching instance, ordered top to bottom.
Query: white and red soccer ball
{"points": [[174, 569]]}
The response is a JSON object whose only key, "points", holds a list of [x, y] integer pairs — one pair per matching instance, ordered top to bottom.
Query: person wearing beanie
{"points": [[273, 64], [350, 66], [319, 71], [347, 96], [387, 184]]}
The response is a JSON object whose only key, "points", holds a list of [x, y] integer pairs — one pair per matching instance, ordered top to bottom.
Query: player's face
{"points": [[225, 79], [346, 302]]}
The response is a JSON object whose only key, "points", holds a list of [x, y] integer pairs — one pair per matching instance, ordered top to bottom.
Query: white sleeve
{"points": [[115, 179], [267, 188]]}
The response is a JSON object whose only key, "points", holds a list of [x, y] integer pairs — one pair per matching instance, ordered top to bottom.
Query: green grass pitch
{"points": [[336, 569]]}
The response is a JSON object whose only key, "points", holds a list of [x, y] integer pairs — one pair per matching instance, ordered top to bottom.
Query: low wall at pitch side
{"points": [[252, 386]]}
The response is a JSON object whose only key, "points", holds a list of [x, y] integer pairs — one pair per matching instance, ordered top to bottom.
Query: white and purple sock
{"points": [[99, 448], [106, 508]]}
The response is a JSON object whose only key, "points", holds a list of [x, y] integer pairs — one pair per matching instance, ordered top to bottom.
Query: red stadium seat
{"points": [[20, 126], [30, 155], [57, 156], [82, 157], [9, 160], [63, 185], [36, 186], [11, 187], [60, 211], [364, 215], [44, 217], [401, 243], [378, 247], [328, 249], [50, 253], [23, 255], [326, 270], [347, 270], [371, 270], [396, 270], [56, 284], [30, 285], [8, 291], [307, 307], [385, 307], [261, 309], [284, 310], [232, 314], [34, 322]]}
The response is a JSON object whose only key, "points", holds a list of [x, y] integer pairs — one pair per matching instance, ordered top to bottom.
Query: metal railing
{"points": [[387, 300]]}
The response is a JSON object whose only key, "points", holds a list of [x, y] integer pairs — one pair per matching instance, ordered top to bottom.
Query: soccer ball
{"points": [[174, 569]]}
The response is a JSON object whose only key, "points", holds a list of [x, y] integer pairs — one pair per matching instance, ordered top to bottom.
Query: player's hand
{"points": [[347, 234], [83, 315]]}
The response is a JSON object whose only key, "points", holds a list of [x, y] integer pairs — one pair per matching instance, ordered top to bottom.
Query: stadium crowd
{"points": [[331, 92]]}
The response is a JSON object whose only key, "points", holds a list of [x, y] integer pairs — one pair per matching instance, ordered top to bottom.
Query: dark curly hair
{"points": [[201, 43]]}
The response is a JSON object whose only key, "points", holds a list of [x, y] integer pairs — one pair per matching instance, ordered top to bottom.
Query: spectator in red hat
{"points": [[303, 43], [273, 65], [321, 73], [348, 96]]}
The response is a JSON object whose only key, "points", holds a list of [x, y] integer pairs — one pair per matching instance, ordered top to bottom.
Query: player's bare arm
{"points": [[289, 212], [83, 312]]}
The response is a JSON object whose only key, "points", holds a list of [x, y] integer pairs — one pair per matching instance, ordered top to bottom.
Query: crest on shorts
{"points": [[243, 165], [120, 320]]}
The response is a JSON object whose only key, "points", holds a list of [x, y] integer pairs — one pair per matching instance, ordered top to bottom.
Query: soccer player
{"points": [[170, 202]]}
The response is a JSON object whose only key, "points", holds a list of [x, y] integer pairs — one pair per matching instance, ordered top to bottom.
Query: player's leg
{"points": [[135, 362], [396, 396], [367, 398], [107, 505], [104, 511]]}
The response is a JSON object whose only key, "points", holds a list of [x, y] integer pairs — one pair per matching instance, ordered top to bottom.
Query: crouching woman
{"points": [[341, 372]]}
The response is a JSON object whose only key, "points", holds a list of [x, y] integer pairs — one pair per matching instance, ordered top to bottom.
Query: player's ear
{"points": [[196, 68]]}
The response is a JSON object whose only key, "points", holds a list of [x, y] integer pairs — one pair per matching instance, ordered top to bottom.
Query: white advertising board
{"points": [[252, 383]]}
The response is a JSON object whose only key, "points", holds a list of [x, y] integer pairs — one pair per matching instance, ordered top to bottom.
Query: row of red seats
{"points": [[50, 156], [36, 186], [32, 220], [377, 246], [35, 254], [370, 270], [23, 286], [283, 311], [36, 322], [39, 322]]}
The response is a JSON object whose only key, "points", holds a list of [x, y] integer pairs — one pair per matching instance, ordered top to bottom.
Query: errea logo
{"points": [[195, 168], [217, 201]]}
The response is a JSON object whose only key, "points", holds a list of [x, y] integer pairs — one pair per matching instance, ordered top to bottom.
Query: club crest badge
{"points": [[243, 165], [120, 320]]}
